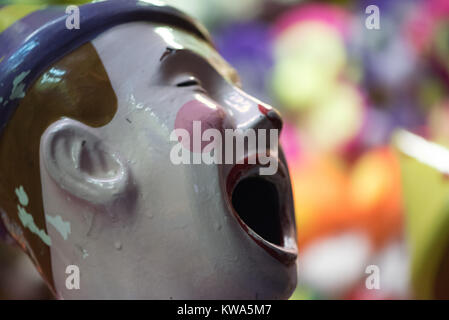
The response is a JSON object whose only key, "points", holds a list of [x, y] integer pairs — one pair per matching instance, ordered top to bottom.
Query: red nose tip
{"points": [[272, 115]]}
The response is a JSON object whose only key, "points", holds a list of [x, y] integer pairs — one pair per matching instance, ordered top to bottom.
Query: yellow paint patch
{"points": [[12, 13]]}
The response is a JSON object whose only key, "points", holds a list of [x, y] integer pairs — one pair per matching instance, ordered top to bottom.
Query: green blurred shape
{"points": [[426, 195], [304, 293]]}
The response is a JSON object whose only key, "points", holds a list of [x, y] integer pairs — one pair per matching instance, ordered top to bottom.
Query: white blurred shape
{"points": [[422, 150], [393, 262], [335, 264]]}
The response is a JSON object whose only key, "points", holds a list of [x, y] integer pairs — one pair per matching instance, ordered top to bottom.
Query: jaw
{"points": [[261, 208], [231, 262]]}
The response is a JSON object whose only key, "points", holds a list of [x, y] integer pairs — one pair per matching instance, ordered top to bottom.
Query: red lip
{"points": [[273, 229]]}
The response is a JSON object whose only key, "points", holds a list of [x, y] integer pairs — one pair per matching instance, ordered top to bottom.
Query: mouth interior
{"points": [[256, 201]]}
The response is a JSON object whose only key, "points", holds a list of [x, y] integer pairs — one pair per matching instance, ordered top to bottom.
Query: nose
{"points": [[250, 113], [262, 116], [272, 119]]}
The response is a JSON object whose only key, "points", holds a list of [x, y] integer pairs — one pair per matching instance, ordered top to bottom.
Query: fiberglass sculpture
{"points": [[87, 182]]}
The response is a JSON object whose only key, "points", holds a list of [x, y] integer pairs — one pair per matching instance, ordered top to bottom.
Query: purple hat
{"points": [[32, 43]]}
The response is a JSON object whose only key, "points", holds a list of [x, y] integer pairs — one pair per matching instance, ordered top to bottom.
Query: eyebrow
{"points": [[168, 51]]}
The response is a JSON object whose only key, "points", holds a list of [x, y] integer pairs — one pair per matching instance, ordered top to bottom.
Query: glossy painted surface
{"points": [[38, 39], [76, 87], [179, 212], [135, 224]]}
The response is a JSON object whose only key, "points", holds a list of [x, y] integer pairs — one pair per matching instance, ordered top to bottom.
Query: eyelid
{"points": [[229, 74], [190, 82]]}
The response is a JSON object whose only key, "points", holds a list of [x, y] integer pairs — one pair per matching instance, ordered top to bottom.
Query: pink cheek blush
{"points": [[209, 116]]}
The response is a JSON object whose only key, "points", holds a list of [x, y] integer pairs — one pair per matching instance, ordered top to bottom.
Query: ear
{"points": [[80, 163]]}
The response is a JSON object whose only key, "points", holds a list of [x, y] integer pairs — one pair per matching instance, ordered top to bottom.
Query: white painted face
{"points": [[143, 227]]}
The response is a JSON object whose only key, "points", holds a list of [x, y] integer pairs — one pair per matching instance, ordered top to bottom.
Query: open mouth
{"points": [[257, 195], [263, 207]]}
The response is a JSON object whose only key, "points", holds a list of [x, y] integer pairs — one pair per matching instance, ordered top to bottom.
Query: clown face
{"points": [[138, 225]]}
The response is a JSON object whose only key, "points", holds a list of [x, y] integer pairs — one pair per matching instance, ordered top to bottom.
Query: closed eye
{"points": [[188, 83]]}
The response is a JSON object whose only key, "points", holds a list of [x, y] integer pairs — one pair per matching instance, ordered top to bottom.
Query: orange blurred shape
{"points": [[375, 192], [330, 198], [321, 204]]}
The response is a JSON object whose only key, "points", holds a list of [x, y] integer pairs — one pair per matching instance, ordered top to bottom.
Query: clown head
{"points": [[86, 177]]}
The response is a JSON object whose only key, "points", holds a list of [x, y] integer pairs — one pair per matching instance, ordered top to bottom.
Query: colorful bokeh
{"points": [[361, 106]]}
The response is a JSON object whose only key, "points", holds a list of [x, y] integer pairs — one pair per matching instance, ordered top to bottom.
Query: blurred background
{"points": [[366, 108]]}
